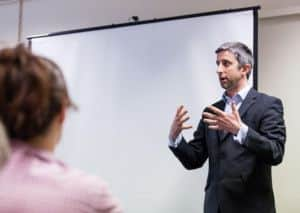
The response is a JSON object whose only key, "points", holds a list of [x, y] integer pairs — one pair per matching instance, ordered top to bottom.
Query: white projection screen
{"points": [[127, 81]]}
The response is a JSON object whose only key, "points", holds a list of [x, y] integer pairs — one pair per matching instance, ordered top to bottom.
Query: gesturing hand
{"points": [[220, 120], [177, 125]]}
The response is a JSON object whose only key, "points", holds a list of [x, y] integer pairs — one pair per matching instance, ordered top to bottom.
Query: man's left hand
{"points": [[219, 120]]}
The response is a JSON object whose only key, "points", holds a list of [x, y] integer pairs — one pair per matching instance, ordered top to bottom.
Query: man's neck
{"points": [[233, 91]]}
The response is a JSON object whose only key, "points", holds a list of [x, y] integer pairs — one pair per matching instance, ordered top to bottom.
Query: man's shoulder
{"points": [[261, 96], [264, 102]]}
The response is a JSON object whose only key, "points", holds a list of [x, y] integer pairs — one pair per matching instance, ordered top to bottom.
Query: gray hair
{"points": [[241, 52]]}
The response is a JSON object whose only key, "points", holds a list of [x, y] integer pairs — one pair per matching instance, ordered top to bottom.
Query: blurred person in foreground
{"points": [[33, 104]]}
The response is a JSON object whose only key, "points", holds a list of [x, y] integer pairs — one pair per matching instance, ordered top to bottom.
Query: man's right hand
{"points": [[177, 126]]}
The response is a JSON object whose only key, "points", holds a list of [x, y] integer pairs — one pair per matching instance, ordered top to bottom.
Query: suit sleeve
{"points": [[268, 141], [192, 155]]}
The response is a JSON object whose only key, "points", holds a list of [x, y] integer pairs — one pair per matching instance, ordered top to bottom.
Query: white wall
{"points": [[8, 24], [279, 64], [279, 74]]}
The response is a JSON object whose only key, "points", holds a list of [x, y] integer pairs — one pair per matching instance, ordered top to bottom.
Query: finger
{"points": [[233, 107], [179, 109], [216, 110], [235, 112], [181, 115], [209, 115], [184, 120], [210, 121], [187, 127], [214, 127]]}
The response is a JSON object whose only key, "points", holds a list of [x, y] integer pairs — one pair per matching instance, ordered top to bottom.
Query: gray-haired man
{"points": [[242, 136]]}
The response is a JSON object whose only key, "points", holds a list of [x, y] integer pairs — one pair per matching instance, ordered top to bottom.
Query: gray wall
{"points": [[279, 66], [279, 73]]}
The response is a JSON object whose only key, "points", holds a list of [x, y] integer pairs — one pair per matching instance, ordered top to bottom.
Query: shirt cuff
{"points": [[241, 135], [175, 143]]}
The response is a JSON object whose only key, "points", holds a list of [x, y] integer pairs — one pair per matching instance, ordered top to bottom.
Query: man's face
{"points": [[228, 70]]}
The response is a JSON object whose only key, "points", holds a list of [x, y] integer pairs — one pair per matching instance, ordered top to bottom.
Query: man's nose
{"points": [[220, 69]]}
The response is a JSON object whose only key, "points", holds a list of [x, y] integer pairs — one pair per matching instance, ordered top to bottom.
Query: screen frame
{"points": [[136, 23]]}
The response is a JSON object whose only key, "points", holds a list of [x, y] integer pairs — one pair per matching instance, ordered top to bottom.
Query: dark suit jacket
{"points": [[239, 178]]}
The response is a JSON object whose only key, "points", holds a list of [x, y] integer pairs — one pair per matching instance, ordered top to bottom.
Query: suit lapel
{"points": [[249, 100]]}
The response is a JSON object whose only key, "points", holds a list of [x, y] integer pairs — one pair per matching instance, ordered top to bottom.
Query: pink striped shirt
{"points": [[33, 181]]}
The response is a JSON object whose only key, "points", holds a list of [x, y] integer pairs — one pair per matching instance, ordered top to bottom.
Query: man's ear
{"points": [[246, 68]]}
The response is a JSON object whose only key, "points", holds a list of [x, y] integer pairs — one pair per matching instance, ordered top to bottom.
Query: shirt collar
{"points": [[239, 97], [31, 151]]}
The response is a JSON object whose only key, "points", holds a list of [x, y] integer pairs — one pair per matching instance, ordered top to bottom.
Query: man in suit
{"points": [[242, 136]]}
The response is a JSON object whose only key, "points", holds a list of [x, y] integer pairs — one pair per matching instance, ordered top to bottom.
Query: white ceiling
{"points": [[268, 7], [46, 16]]}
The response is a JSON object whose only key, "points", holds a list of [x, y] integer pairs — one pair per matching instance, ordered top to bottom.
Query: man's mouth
{"points": [[223, 79]]}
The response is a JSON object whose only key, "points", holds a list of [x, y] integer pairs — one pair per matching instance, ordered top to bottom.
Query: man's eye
{"points": [[226, 63]]}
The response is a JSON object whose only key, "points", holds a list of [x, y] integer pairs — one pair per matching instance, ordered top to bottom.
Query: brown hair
{"points": [[32, 92]]}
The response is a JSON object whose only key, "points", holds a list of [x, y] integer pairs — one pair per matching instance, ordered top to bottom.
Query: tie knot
{"points": [[235, 99], [232, 101]]}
